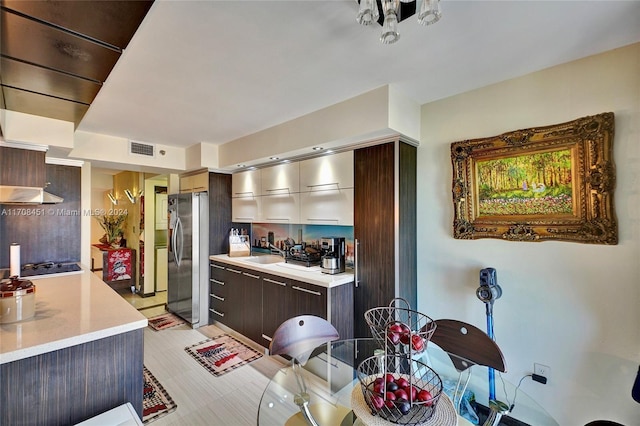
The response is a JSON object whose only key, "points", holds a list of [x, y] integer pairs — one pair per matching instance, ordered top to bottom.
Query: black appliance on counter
{"points": [[332, 251], [302, 254], [47, 268]]}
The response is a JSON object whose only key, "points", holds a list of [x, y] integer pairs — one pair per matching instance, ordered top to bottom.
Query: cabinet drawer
{"points": [[217, 271], [217, 302]]}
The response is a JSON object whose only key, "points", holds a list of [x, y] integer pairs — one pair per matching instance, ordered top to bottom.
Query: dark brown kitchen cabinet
{"points": [[22, 167], [384, 227], [217, 292], [235, 299], [309, 299], [277, 305], [252, 307]]}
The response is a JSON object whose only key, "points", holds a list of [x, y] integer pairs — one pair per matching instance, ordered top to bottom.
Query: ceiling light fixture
{"points": [[389, 12], [318, 148], [274, 158]]}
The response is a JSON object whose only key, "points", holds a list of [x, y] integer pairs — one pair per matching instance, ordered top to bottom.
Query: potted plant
{"points": [[113, 226]]}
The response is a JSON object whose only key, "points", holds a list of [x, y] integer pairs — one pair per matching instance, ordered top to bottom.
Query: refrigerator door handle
{"points": [[178, 242]]}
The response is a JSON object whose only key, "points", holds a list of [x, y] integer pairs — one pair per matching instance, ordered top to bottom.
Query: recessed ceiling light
{"points": [[318, 148], [274, 158], [241, 165]]}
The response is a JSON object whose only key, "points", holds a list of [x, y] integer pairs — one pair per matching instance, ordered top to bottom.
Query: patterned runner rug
{"points": [[165, 321], [222, 354], [156, 402]]}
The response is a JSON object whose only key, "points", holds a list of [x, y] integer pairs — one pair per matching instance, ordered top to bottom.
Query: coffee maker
{"points": [[333, 252]]}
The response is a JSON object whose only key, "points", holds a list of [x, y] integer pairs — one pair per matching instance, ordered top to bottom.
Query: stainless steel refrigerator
{"points": [[187, 289]]}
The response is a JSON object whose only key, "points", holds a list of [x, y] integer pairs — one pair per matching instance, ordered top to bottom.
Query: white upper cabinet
{"points": [[327, 172], [280, 179], [245, 184], [330, 207], [280, 208], [245, 209]]}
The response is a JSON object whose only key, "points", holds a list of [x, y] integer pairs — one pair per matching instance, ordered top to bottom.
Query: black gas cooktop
{"points": [[46, 268]]}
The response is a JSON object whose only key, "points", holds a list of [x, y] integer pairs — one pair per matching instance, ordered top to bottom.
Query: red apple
{"points": [[405, 334], [417, 342], [389, 378], [402, 382], [378, 388], [401, 393], [413, 393], [425, 396], [389, 397], [377, 402]]}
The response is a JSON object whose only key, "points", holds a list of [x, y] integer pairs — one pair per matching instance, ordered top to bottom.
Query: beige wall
{"points": [[574, 307]]}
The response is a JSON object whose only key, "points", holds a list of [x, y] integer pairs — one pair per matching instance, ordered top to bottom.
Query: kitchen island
{"points": [[253, 295], [80, 355]]}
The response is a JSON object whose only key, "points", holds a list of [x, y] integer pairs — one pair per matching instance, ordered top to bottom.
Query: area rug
{"points": [[164, 321], [222, 354], [156, 402]]}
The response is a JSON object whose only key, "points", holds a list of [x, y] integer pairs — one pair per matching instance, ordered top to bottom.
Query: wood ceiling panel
{"points": [[113, 22], [40, 44], [42, 80], [45, 106]]}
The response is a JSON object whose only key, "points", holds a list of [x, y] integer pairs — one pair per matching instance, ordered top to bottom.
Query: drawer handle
{"points": [[244, 193], [241, 218], [283, 219], [319, 219], [216, 266], [234, 271], [251, 275], [216, 281], [275, 282], [295, 287], [217, 297], [216, 312], [264, 336]]}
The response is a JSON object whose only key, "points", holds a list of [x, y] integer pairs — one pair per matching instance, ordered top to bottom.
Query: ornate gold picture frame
{"points": [[538, 184]]}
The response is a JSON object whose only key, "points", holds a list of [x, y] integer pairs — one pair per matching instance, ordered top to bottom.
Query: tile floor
{"points": [[202, 398]]}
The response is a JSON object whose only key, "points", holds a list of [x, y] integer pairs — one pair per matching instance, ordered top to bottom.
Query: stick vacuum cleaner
{"points": [[488, 292]]}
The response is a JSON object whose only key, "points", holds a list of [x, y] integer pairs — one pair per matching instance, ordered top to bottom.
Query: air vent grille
{"points": [[142, 149]]}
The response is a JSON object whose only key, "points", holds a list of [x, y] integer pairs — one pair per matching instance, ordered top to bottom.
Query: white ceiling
{"points": [[213, 71]]}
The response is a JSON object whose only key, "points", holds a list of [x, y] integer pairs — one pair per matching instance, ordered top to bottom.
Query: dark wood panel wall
{"points": [[22, 167], [376, 202], [219, 212], [49, 231], [71, 385]]}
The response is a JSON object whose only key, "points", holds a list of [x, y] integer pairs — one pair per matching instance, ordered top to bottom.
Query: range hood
{"points": [[26, 195]]}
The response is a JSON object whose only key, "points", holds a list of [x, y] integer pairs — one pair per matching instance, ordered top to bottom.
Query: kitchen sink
{"points": [[266, 259]]}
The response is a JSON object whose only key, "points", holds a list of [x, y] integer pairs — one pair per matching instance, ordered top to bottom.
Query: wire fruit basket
{"points": [[399, 328], [399, 389]]}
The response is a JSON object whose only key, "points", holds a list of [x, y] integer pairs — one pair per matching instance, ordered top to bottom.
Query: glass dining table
{"points": [[330, 380]]}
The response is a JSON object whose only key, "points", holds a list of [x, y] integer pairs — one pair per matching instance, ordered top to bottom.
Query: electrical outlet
{"points": [[541, 370]]}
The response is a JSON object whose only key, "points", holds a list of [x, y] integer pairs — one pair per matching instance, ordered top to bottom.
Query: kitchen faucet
{"points": [[276, 250]]}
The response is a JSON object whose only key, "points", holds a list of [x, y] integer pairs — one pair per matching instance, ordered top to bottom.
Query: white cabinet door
{"points": [[327, 172], [280, 179], [245, 184], [330, 207], [280, 208], [162, 209], [245, 209], [162, 269]]}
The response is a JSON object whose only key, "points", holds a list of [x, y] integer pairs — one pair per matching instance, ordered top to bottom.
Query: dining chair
{"points": [[296, 338], [466, 345]]}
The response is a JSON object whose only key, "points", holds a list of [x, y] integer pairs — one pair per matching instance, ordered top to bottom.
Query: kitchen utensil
{"points": [[17, 300]]}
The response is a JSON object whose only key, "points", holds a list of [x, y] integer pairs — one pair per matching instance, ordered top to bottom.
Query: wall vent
{"points": [[139, 148]]}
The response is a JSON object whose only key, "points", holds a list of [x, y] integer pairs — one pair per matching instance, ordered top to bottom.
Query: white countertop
{"points": [[311, 275], [70, 310]]}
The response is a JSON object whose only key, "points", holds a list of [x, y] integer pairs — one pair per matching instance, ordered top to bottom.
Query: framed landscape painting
{"points": [[544, 183]]}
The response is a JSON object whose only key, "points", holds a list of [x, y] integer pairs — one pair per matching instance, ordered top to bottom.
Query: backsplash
{"points": [[261, 234]]}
